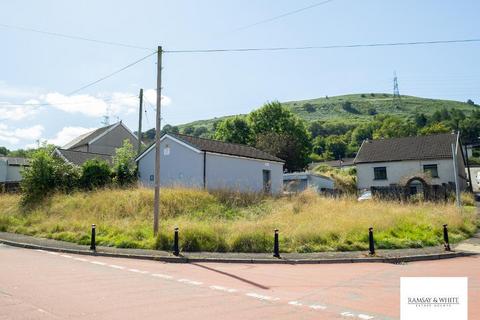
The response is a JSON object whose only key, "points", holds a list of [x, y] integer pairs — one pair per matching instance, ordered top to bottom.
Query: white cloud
{"points": [[11, 92], [151, 96], [83, 103], [19, 112], [67, 134], [13, 136]]}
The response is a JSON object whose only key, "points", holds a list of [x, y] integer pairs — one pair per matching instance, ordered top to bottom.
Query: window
{"points": [[431, 169], [380, 173], [152, 177]]}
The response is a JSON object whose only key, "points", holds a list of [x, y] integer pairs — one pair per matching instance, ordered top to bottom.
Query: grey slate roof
{"points": [[87, 137], [438, 146], [227, 148], [79, 157], [15, 161]]}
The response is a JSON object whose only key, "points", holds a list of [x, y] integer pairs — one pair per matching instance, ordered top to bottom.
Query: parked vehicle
{"points": [[366, 195]]}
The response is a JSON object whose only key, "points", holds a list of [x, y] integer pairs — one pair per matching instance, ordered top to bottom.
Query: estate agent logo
{"points": [[433, 298]]}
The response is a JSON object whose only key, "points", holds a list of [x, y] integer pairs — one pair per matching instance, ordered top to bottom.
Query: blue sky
{"points": [[38, 69]]}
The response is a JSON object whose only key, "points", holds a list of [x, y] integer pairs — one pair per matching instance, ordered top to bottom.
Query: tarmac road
{"points": [[36, 284]]}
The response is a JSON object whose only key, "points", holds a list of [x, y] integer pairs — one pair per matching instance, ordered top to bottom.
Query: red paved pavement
{"points": [[41, 285]]}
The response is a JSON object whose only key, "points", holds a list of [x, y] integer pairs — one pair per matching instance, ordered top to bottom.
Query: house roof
{"points": [[87, 137], [216, 146], [438, 146], [79, 157], [15, 161], [346, 162], [303, 176]]}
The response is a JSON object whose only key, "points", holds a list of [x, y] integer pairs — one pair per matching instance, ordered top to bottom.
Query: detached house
{"points": [[97, 144], [401, 161], [203, 163]]}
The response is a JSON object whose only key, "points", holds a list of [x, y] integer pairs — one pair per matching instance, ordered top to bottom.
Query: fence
{"points": [[9, 187], [405, 193]]}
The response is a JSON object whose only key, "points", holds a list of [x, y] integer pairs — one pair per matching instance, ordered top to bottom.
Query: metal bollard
{"points": [[445, 238], [92, 239], [371, 242], [276, 247], [176, 250]]}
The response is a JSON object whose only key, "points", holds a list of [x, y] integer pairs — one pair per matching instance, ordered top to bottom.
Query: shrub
{"points": [[124, 164], [95, 174], [38, 180]]}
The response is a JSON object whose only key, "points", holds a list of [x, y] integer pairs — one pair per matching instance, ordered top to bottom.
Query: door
{"points": [[267, 181]]}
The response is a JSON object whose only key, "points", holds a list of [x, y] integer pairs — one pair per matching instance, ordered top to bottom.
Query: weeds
{"points": [[222, 221]]}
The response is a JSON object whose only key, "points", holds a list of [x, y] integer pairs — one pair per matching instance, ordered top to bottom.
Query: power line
{"points": [[283, 15], [68, 36], [361, 45], [111, 74], [66, 103]]}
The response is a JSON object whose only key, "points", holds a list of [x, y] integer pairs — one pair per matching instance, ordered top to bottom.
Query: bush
{"points": [[124, 164], [95, 174], [38, 180]]}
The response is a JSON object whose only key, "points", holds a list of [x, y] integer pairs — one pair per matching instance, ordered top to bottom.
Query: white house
{"points": [[99, 144], [387, 162], [203, 163], [10, 169], [301, 181]]}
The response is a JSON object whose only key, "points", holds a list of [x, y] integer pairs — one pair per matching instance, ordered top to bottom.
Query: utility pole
{"points": [[396, 101], [140, 113], [455, 172], [156, 209]]}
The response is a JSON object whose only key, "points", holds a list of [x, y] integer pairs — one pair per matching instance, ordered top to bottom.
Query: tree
{"points": [[470, 102], [420, 120], [276, 124], [393, 127], [435, 128], [170, 129], [188, 130], [235, 130], [470, 130], [200, 131], [362, 132], [336, 145], [284, 146], [4, 151], [124, 164], [95, 174], [38, 179]]}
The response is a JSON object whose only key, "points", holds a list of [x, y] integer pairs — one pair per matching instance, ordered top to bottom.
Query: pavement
{"points": [[388, 256], [38, 284]]}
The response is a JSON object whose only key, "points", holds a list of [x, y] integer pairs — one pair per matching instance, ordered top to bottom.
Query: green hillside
{"points": [[363, 107]]}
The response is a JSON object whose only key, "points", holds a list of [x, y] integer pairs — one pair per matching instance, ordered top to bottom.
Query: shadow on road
{"points": [[232, 276]]}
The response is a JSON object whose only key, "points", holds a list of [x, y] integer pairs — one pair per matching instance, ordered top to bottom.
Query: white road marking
{"points": [[39, 250], [54, 253], [65, 256], [81, 259], [98, 262], [116, 267], [138, 271], [163, 276], [195, 283], [220, 288], [261, 297], [295, 303], [317, 307], [347, 314], [365, 316]]}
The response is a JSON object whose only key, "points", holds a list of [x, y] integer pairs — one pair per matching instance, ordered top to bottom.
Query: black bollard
{"points": [[445, 238], [92, 239], [371, 243], [276, 247], [176, 250]]}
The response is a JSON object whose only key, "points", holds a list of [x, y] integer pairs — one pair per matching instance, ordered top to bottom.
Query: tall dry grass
{"points": [[222, 221]]}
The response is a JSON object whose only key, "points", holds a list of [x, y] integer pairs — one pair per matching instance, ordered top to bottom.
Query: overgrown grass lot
{"points": [[240, 223]]}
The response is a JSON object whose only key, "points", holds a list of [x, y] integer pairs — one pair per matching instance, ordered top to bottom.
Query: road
{"points": [[36, 284]]}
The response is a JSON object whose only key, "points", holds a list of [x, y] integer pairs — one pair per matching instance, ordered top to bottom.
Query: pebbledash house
{"points": [[188, 161], [411, 162]]}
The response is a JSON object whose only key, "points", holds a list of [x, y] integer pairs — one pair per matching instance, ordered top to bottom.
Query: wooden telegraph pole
{"points": [[140, 114], [156, 210]]}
